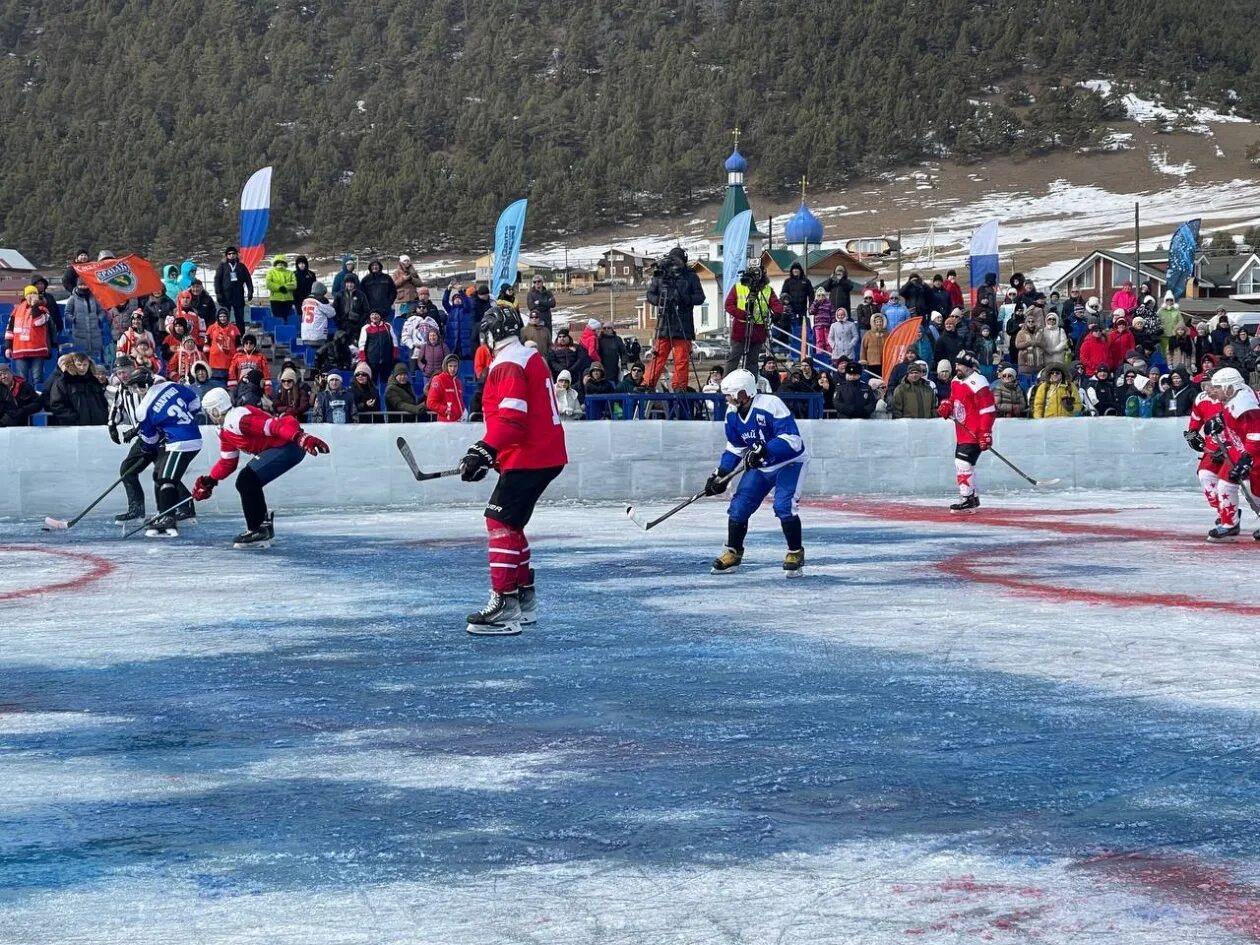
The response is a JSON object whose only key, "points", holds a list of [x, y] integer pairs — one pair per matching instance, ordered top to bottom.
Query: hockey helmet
{"points": [[500, 323], [141, 379], [1228, 379], [739, 380], [216, 404]]}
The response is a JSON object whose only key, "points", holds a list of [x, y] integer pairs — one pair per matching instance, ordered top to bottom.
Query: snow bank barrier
{"points": [[58, 471]]}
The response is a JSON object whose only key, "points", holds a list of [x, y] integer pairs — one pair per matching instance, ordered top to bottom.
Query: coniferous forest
{"points": [[131, 124]]}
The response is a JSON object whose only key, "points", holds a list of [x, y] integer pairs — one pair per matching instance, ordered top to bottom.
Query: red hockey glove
{"points": [[945, 410], [986, 441], [312, 444], [203, 487]]}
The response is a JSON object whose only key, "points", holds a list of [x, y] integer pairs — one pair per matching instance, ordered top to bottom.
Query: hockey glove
{"points": [[945, 410], [1215, 426], [113, 434], [1195, 439], [986, 441], [312, 444], [1219, 455], [756, 457], [477, 461], [1241, 469], [716, 483], [203, 487]]}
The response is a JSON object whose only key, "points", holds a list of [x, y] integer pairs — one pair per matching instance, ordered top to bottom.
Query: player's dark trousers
{"points": [[136, 457], [262, 469], [168, 476]]}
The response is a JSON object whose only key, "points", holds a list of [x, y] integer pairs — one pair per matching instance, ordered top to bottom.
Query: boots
{"points": [[794, 563]]}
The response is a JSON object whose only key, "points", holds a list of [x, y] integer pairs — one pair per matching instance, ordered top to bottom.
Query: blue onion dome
{"points": [[735, 164], [804, 227]]}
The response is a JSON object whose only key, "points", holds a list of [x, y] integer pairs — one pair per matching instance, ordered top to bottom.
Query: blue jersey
{"points": [[168, 416], [768, 421]]}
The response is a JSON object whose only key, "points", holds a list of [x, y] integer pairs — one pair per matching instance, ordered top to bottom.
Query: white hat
{"points": [[404, 260], [868, 294], [1169, 295], [1093, 304], [594, 324], [943, 365], [564, 376], [1140, 383]]}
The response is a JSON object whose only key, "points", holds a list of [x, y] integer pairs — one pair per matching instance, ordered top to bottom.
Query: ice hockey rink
{"points": [[1036, 724]]}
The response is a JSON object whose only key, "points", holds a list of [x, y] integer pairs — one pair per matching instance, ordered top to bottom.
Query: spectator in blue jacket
{"points": [[894, 311], [83, 320], [460, 336]]}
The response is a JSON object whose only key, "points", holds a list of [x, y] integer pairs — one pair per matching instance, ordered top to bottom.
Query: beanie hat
{"points": [[404, 260], [318, 288], [30, 290], [594, 324], [450, 359], [943, 365], [362, 368], [399, 368], [288, 374], [564, 376]]}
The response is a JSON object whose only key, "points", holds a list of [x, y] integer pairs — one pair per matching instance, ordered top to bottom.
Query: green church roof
{"points": [[735, 203]]}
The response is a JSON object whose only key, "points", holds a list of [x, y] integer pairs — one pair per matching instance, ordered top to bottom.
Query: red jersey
{"points": [[221, 343], [241, 360], [974, 408], [1204, 409], [522, 420], [1242, 425], [254, 431]]}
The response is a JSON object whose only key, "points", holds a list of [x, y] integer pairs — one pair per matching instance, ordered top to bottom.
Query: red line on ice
{"points": [[98, 568]]}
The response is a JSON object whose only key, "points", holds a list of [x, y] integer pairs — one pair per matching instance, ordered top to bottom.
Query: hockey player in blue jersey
{"points": [[166, 429], [760, 432]]}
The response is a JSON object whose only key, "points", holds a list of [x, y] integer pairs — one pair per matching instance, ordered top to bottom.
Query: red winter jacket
{"points": [[1119, 343], [1094, 354], [445, 397]]}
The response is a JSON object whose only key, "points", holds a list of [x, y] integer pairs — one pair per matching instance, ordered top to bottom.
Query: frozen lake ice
{"points": [[1035, 724]]}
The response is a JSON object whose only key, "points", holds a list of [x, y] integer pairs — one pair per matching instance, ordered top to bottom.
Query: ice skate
{"points": [[966, 505], [134, 513], [186, 514], [162, 527], [1221, 534], [259, 538], [728, 560], [794, 564], [528, 600], [501, 617]]}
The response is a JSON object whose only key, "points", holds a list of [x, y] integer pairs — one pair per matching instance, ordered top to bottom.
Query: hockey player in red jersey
{"points": [[970, 406], [1238, 427], [524, 441], [278, 444], [1217, 489]]}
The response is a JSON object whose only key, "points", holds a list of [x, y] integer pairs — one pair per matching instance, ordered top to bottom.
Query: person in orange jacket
{"points": [[26, 339], [222, 340], [249, 357], [446, 393]]}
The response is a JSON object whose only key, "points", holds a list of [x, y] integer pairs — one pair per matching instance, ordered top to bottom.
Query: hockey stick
{"points": [[405, 448], [1019, 472], [630, 510], [149, 521], [56, 524]]}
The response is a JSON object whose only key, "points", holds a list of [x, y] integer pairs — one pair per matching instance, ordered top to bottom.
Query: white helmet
{"points": [[1228, 379], [738, 380], [216, 404]]}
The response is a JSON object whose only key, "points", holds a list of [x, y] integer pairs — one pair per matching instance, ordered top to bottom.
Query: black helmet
{"points": [[502, 321], [966, 359], [143, 378]]}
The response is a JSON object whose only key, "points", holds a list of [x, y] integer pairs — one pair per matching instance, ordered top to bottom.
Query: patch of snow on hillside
{"points": [[1145, 111], [1159, 161]]}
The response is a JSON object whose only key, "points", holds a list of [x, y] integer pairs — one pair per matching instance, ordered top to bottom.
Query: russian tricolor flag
{"points": [[255, 214], [984, 252]]}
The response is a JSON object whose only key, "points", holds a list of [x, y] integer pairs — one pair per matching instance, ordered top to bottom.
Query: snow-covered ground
{"points": [[1035, 724]]}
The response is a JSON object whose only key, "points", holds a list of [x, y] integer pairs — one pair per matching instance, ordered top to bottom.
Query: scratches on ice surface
{"points": [[884, 751]]}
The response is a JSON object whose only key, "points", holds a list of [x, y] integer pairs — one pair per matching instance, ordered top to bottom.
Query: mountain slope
{"points": [[134, 124]]}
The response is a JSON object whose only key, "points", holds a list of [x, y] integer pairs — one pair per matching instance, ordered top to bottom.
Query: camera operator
{"points": [[674, 292], [750, 304]]}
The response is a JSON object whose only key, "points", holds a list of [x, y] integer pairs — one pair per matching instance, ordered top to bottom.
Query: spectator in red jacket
{"points": [[954, 290], [1125, 298], [751, 303], [1120, 342], [378, 348], [1095, 352], [446, 393]]}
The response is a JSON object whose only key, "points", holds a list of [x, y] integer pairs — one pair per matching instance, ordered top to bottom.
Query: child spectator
{"points": [[249, 357], [446, 394]]}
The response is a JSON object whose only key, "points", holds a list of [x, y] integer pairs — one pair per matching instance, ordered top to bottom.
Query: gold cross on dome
{"points": [[736, 134], [803, 183]]}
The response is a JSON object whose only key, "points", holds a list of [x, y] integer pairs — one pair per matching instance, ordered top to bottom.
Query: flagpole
{"points": [[1137, 243]]}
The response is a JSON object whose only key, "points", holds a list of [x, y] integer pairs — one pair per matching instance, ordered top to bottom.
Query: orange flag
{"points": [[114, 281], [895, 345]]}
